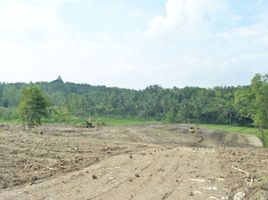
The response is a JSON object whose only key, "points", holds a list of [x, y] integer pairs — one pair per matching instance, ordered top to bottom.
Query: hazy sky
{"points": [[134, 43]]}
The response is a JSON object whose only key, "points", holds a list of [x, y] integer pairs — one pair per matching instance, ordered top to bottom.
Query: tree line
{"points": [[241, 105]]}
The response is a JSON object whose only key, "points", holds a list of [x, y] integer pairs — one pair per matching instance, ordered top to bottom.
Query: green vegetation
{"points": [[259, 87], [74, 103], [33, 106], [216, 106], [8, 114], [13, 121], [102, 121], [121, 121]]}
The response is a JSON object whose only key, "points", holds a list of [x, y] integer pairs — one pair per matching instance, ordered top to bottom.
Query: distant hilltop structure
{"points": [[58, 80]]}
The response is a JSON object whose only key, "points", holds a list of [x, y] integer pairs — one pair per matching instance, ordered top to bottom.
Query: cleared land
{"points": [[130, 162]]}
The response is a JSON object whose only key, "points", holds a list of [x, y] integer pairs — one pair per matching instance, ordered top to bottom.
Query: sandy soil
{"points": [[135, 162]]}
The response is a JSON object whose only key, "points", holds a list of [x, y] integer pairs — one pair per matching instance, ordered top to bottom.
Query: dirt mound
{"points": [[233, 139]]}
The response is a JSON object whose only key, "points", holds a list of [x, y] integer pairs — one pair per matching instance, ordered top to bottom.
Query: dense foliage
{"points": [[220, 105], [33, 106]]}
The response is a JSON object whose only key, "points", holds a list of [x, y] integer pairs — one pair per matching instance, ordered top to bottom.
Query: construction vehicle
{"points": [[88, 123]]}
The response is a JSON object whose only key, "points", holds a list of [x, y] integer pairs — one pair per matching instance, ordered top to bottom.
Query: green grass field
{"points": [[4, 121], [78, 121], [107, 121], [122, 121]]}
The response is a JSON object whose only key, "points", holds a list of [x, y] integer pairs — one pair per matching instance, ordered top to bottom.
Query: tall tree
{"points": [[259, 85], [244, 104], [33, 106]]}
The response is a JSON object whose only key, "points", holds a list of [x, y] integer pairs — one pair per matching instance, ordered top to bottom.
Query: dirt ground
{"points": [[149, 162]]}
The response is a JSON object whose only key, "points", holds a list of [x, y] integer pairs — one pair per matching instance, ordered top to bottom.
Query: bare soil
{"points": [[155, 161]]}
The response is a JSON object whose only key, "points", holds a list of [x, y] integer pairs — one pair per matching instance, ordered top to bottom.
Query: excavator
{"points": [[88, 123]]}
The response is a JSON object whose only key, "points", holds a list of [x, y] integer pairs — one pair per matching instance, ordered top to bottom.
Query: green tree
{"points": [[259, 85], [244, 100], [33, 106]]}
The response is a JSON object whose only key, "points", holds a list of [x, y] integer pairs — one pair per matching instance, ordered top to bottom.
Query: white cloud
{"points": [[136, 14], [186, 16], [31, 20], [245, 31], [251, 35], [104, 37], [34, 40], [195, 42], [207, 43], [246, 57]]}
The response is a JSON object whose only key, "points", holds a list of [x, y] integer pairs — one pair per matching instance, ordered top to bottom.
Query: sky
{"points": [[134, 43]]}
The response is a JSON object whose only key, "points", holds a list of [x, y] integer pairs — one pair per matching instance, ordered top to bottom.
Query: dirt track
{"points": [[152, 162]]}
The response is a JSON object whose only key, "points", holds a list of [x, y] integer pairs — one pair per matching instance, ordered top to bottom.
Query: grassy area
{"points": [[4, 121], [79, 121], [109, 121], [122, 121], [237, 129]]}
